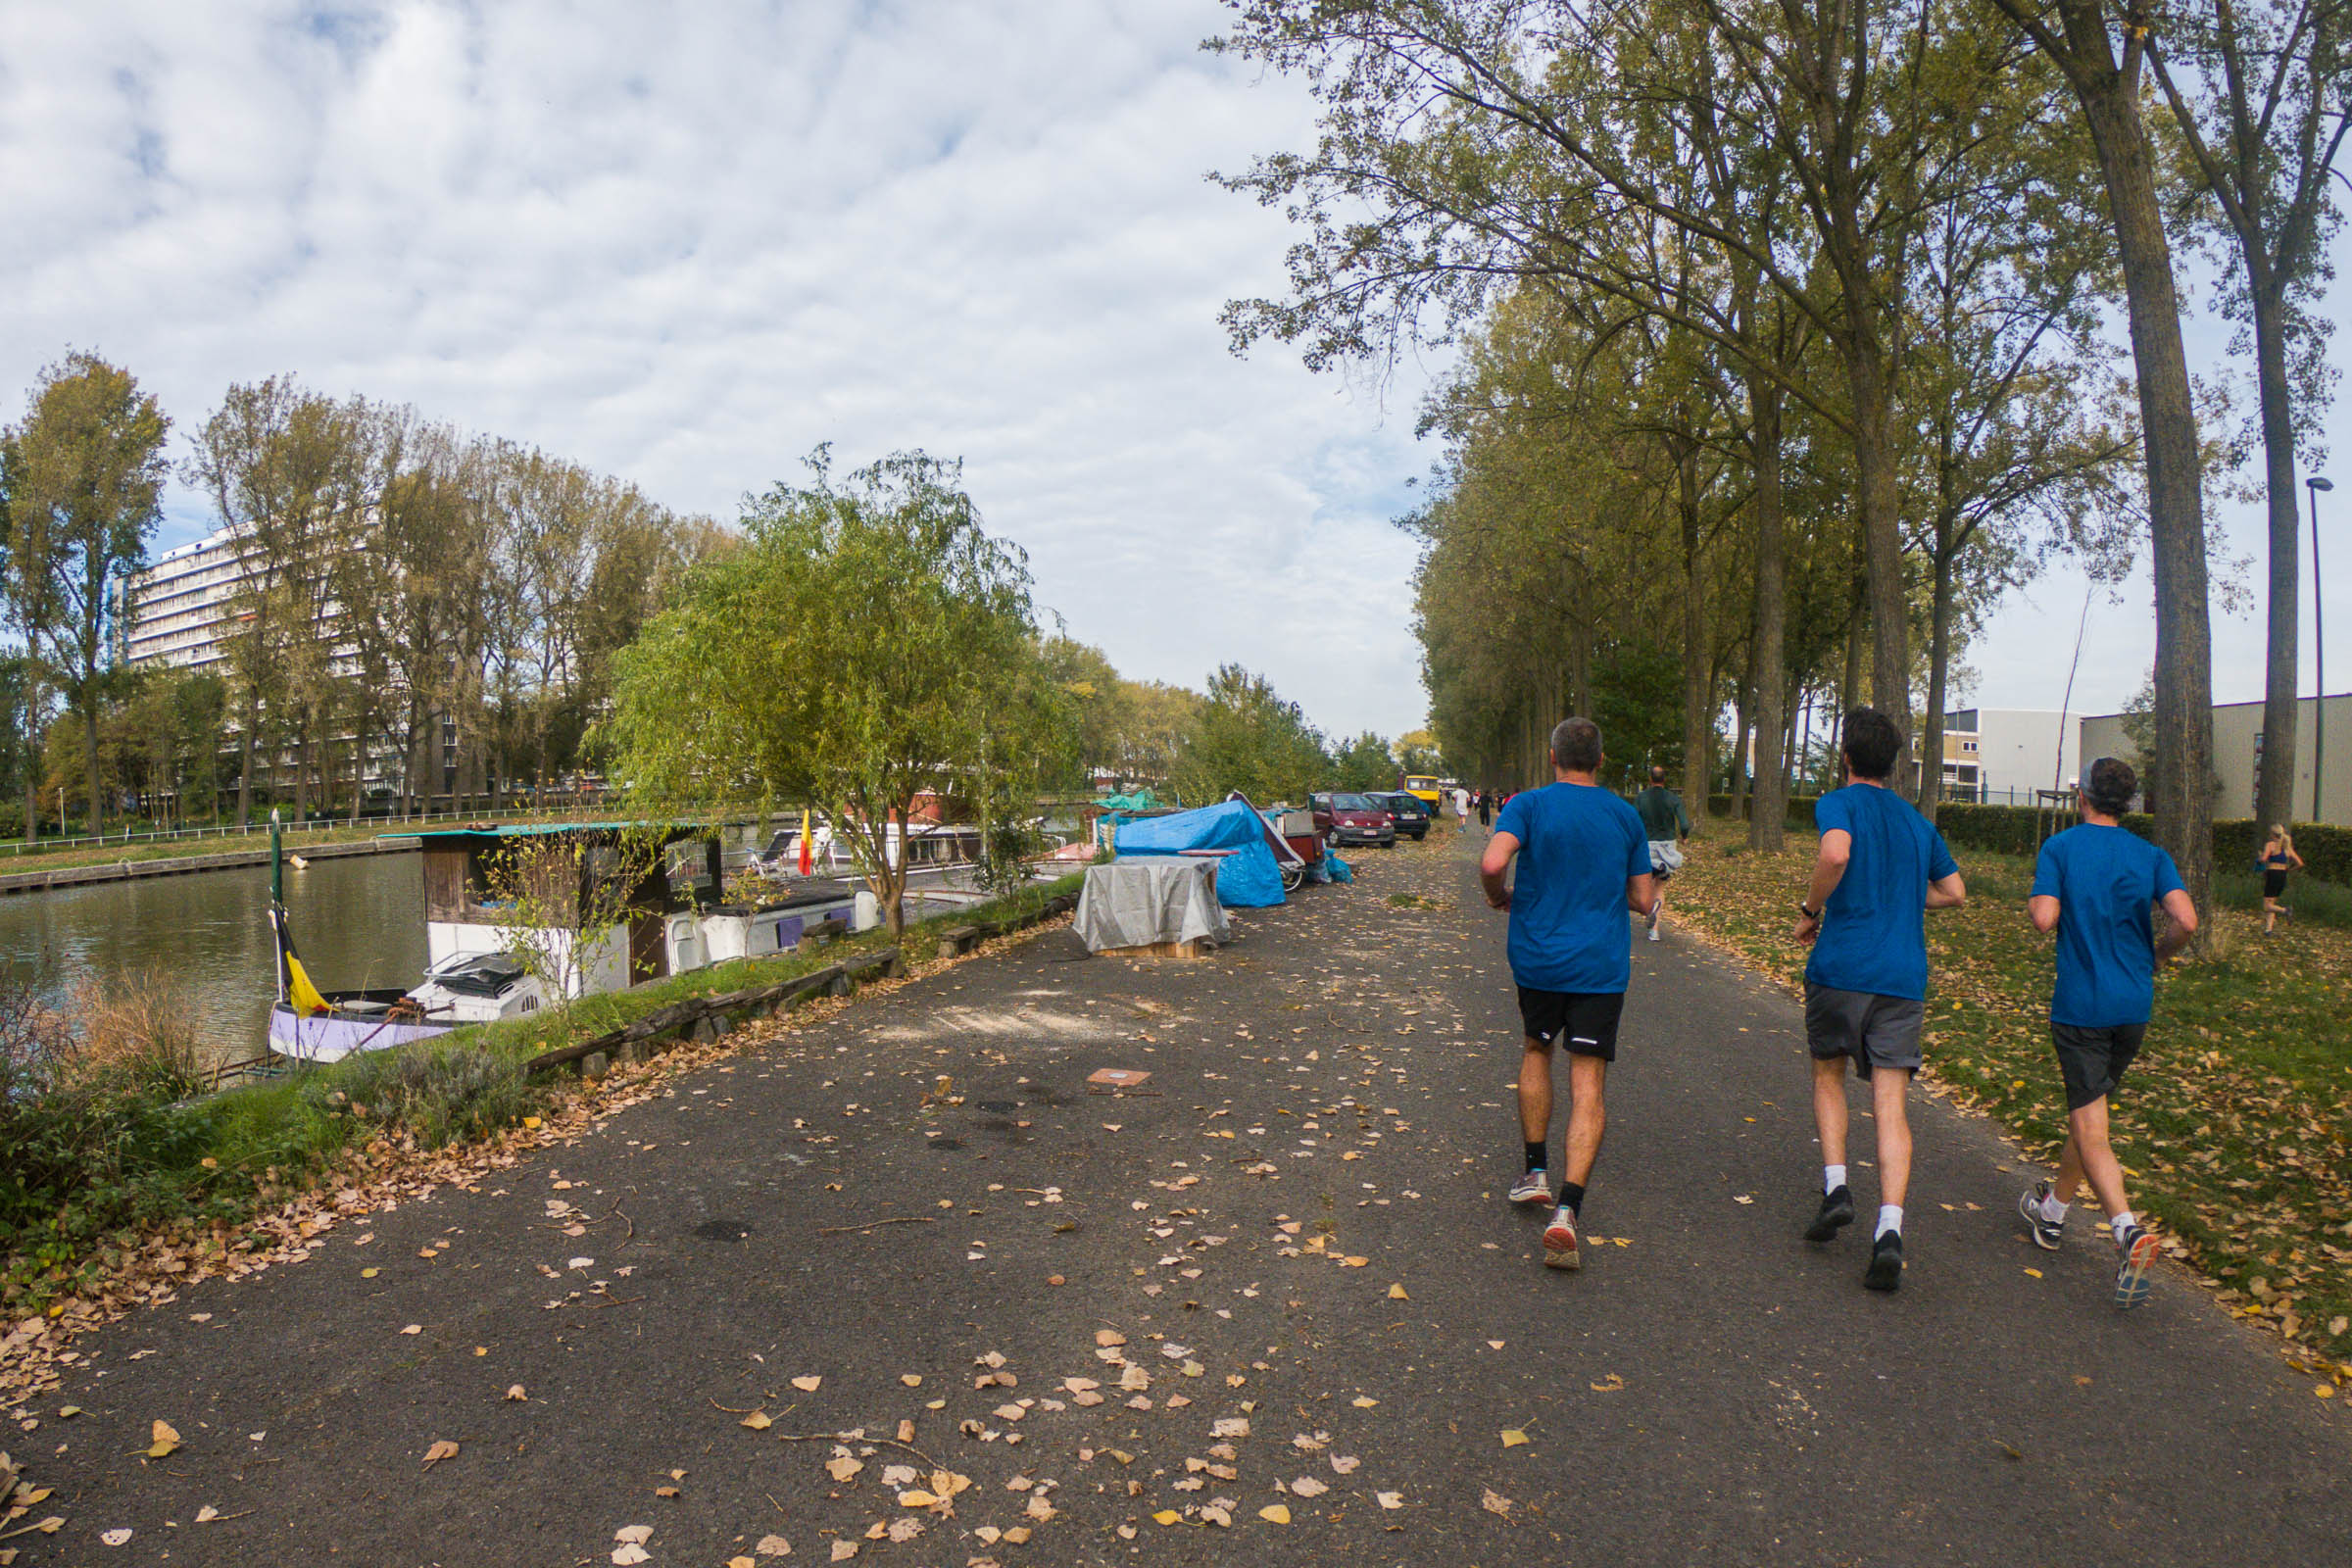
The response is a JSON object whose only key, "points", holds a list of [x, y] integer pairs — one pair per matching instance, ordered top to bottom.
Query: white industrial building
{"points": [[2237, 747], [2000, 756]]}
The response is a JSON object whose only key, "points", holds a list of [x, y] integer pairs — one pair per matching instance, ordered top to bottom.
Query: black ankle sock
{"points": [[1534, 1156], [1572, 1198]]}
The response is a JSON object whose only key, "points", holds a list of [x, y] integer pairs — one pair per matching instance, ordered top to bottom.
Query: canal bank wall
{"points": [[67, 876]]}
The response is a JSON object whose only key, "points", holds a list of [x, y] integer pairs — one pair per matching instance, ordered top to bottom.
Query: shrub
{"points": [[2327, 851], [132, 1031], [436, 1094]]}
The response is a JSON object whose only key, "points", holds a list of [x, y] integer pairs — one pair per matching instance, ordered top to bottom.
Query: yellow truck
{"points": [[1426, 787]]}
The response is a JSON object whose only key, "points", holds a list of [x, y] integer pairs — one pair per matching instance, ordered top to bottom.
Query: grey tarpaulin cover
{"points": [[1139, 900]]}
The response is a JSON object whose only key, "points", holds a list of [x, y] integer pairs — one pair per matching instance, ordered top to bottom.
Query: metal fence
{"points": [[323, 824]]}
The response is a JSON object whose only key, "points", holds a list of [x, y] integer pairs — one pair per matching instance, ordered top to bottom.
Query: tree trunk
{"points": [[1875, 481], [1939, 664], [253, 703], [1742, 705], [1698, 724], [89, 735], [32, 754], [2183, 785], [2274, 800], [1770, 809]]}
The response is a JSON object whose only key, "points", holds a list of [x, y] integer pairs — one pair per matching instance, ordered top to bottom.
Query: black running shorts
{"points": [[2273, 883], [1584, 1021], [1876, 1031], [2093, 1060]]}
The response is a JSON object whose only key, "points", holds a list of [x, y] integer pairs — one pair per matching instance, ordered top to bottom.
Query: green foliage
{"points": [[868, 642], [1249, 739], [1416, 752], [1363, 764], [2326, 850], [438, 1092]]}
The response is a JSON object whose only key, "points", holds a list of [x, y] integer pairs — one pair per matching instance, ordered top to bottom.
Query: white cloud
{"points": [[686, 244]]}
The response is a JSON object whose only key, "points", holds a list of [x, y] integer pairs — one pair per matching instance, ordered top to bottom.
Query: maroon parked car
{"points": [[1346, 818]]}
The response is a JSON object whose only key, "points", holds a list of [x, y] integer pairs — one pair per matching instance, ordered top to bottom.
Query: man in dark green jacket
{"points": [[1666, 822]]}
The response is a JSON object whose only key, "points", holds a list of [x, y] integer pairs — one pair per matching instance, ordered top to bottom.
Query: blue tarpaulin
{"points": [[1247, 879]]}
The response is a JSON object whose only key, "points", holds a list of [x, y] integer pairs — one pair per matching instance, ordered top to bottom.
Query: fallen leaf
{"points": [[2036, 1273], [1397, 1293], [414, 1328], [1109, 1336], [1494, 1345], [914, 1380], [807, 1384], [1609, 1384], [515, 1393], [1364, 1403], [757, 1421], [1513, 1437], [165, 1439], [441, 1450], [1345, 1463], [841, 1466], [1308, 1487], [1388, 1500], [1495, 1502], [1274, 1513], [207, 1514], [1166, 1516], [634, 1534], [114, 1538], [773, 1546], [844, 1550], [630, 1554], [740, 1561]]}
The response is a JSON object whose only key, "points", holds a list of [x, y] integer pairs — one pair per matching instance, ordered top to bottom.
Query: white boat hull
{"points": [[331, 1036]]}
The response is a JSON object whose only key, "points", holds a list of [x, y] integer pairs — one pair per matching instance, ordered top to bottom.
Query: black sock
{"points": [[1534, 1156], [1572, 1198]]}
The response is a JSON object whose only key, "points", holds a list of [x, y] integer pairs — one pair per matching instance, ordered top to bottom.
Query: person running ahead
{"points": [[1667, 824], [2279, 858], [1582, 862], [1881, 865], [2096, 885]]}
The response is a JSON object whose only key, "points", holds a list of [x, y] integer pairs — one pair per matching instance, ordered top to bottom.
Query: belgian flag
{"points": [[294, 986]]}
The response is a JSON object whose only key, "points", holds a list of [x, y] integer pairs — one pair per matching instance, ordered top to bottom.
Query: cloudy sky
{"points": [[686, 243]]}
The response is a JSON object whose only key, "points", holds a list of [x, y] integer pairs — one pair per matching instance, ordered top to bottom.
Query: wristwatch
{"points": [[1810, 914]]}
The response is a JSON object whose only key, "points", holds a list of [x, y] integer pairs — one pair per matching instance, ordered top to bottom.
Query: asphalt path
{"points": [[1330, 1332]]}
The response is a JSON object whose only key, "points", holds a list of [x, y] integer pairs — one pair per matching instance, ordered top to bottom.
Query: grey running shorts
{"points": [[1584, 1021], [1876, 1031], [2093, 1060]]}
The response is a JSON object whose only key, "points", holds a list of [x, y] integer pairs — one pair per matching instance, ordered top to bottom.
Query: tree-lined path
{"points": [[1268, 1307]]}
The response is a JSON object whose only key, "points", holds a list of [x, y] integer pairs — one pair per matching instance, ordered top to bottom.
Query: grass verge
{"points": [[2232, 1126], [93, 1165]]}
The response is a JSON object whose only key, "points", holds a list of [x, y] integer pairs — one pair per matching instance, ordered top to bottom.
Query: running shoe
{"points": [[1653, 928], [1533, 1188], [1837, 1212], [2046, 1233], [1559, 1240], [1885, 1270], [2131, 1285]]}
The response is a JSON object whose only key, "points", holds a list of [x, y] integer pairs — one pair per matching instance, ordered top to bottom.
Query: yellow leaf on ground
{"points": [[530, 1123], [2036, 1273], [1397, 1293], [1109, 1337], [914, 1380], [807, 1384], [515, 1393], [1362, 1403], [757, 1421], [1513, 1437], [165, 1439], [441, 1450], [841, 1466], [916, 1497], [1390, 1499], [1495, 1502], [1274, 1513], [1166, 1516], [773, 1546], [844, 1550]]}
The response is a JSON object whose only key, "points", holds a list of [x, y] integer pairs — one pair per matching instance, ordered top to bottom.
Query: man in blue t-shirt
{"points": [[1584, 859], [1881, 866], [2098, 885]]}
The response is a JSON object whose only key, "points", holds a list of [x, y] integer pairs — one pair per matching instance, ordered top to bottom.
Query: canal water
{"points": [[358, 921]]}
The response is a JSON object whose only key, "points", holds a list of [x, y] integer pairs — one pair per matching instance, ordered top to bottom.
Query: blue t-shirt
{"points": [[1578, 843], [2107, 881], [1873, 930]]}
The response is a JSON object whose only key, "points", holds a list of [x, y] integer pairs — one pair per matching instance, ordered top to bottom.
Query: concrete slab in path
{"points": [[1708, 1389]]}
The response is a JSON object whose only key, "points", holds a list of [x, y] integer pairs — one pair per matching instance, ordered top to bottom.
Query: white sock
{"points": [[1833, 1177], [2053, 1210], [1891, 1218], [2122, 1222]]}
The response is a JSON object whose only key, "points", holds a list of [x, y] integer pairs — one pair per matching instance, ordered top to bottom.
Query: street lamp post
{"points": [[2319, 652]]}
